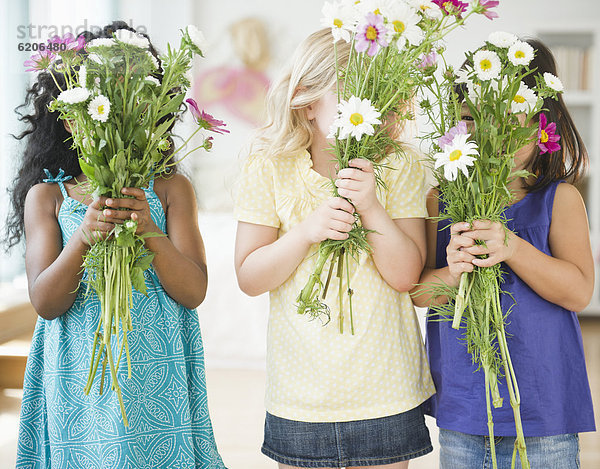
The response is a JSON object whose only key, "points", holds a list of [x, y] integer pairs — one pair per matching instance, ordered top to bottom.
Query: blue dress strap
{"points": [[59, 179], [151, 184]]}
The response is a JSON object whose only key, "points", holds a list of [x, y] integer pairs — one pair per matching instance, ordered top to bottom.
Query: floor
{"points": [[236, 403]]}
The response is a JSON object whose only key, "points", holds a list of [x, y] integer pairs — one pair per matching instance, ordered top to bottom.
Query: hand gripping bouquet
{"points": [[392, 43], [121, 104], [473, 166]]}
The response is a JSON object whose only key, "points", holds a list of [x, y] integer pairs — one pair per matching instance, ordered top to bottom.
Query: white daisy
{"points": [[427, 8], [339, 17], [404, 20], [129, 37], [197, 38], [502, 39], [101, 41], [520, 53], [152, 59], [487, 64], [82, 75], [152, 80], [553, 82], [74, 95], [524, 101], [99, 108], [355, 118], [456, 155]]}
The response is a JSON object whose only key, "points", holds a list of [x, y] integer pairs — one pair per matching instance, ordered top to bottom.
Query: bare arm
{"points": [[179, 258], [263, 261], [53, 273], [430, 274]]}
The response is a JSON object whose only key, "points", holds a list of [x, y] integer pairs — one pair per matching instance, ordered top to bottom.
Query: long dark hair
{"points": [[48, 144], [570, 162]]}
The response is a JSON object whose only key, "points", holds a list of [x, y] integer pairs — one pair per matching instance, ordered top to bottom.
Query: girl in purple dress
{"points": [[549, 275]]}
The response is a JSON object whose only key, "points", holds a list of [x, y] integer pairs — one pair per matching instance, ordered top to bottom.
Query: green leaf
{"points": [[172, 105], [161, 129], [87, 169], [125, 239], [144, 262], [138, 280]]}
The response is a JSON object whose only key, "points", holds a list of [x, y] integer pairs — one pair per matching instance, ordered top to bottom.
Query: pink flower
{"points": [[486, 5], [450, 7], [371, 35], [69, 41], [40, 61], [427, 61], [205, 120], [458, 129], [547, 137], [208, 143]]}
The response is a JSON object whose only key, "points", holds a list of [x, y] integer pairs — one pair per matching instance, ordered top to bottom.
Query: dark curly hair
{"points": [[48, 144]]}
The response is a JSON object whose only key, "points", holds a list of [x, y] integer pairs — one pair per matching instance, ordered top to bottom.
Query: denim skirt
{"points": [[370, 442]]}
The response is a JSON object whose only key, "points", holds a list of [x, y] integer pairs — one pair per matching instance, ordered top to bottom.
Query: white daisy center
{"points": [[338, 23], [399, 26], [519, 54], [485, 65], [519, 99], [100, 109], [356, 118], [455, 155]]}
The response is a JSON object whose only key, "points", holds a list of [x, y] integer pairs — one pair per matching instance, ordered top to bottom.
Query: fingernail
{"points": [[109, 201], [107, 213]]}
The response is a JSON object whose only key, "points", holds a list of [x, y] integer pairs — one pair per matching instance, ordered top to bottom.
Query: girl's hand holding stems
{"points": [[103, 213], [264, 261], [54, 273], [566, 277]]}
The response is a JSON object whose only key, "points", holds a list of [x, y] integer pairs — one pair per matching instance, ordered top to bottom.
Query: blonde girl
{"points": [[333, 400]]}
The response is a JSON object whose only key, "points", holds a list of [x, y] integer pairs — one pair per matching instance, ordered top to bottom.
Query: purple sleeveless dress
{"points": [[544, 341]]}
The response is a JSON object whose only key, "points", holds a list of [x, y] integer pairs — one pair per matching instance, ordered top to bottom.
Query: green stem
{"points": [[339, 275], [350, 292], [460, 301], [490, 420]]}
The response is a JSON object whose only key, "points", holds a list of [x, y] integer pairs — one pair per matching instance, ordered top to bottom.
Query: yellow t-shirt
{"points": [[314, 373]]}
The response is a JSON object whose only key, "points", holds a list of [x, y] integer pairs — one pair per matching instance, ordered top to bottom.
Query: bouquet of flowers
{"points": [[392, 44], [121, 103], [473, 166]]}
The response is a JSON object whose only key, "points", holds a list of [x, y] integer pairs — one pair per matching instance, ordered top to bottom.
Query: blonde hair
{"points": [[304, 81]]}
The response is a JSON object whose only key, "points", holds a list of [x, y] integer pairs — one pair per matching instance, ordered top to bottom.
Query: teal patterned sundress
{"points": [[165, 399]]}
